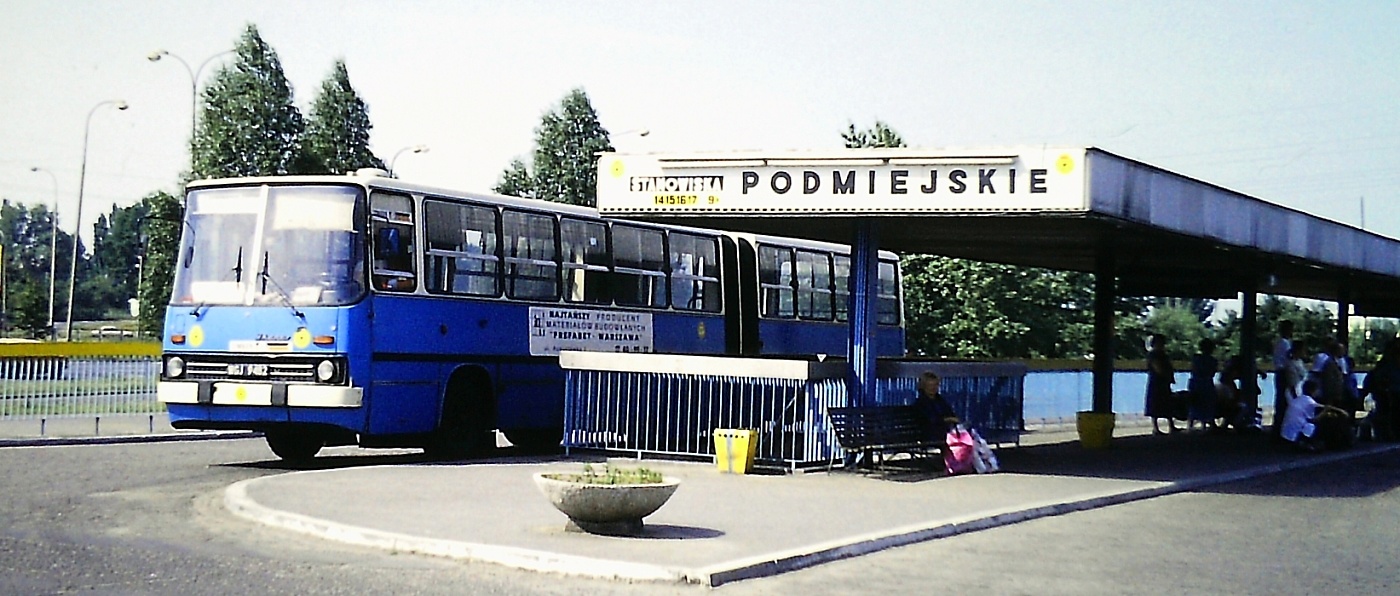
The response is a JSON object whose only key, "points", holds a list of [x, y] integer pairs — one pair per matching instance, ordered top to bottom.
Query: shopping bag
{"points": [[960, 451], [984, 459]]}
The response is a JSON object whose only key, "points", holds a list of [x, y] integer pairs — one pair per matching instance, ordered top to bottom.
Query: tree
{"points": [[249, 126], [337, 130], [879, 135], [567, 143], [516, 181], [161, 229], [26, 234], [116, 248], [28, 307], [969, 309], [1179, 323], [1311, 325]]}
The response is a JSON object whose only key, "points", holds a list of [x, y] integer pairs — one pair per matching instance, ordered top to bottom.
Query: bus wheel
{"points": [[466, 417], [535, 439], [294, 446]]}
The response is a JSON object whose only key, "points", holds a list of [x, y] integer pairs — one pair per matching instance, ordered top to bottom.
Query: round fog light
{"points": [[325, 371]]}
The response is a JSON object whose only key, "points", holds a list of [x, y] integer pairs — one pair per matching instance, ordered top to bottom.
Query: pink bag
{"points": [[961, 451]]}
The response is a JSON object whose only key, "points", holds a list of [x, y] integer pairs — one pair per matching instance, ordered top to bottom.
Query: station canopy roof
{"points": [[1165, 234]]}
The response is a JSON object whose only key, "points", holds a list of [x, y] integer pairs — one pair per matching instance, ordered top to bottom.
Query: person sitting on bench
{"points": [[936, 410]]}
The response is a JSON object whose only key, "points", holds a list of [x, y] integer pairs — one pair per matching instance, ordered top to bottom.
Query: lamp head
{"points": [[156, 55], [121, 105]]}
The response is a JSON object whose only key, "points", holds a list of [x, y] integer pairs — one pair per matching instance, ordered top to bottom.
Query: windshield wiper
{"points": [[238, 267], [263, 275], [237, 278]]}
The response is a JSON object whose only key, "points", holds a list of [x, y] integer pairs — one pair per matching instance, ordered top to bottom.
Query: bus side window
{"points": [[391, 218], [463, 249], [585, 258], [532, 263], [639, 265], [694, 272], [775, 281], [814, 285], [842, 285], [887, 313]]}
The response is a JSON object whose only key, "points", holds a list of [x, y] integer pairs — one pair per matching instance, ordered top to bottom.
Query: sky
{"points": [[1290, 102]]}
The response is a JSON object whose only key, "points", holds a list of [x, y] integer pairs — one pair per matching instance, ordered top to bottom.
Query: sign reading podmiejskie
{"points": [[851, 181]]}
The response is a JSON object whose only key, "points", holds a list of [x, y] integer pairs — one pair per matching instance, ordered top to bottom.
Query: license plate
{"points": [[239, 369]]}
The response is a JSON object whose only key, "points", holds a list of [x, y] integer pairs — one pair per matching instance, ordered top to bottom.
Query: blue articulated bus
{"points": [[361, 309]]}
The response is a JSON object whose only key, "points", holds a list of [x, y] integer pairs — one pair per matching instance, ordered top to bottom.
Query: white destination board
{"points": [[853, 181], [555, 329]]}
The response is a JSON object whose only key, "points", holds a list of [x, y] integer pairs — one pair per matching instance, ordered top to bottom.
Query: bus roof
{"points": [[379, 179]]}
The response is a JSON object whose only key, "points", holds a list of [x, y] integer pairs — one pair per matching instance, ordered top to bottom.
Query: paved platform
{"points": [[720, 528]]}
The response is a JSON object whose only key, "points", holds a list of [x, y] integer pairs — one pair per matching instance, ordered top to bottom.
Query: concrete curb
{"points": [[117, 439], [237, 501], [861, 545]]}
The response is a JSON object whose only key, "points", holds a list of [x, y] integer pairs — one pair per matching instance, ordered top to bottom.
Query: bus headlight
{"points": [[174, 367], [325, 371]]}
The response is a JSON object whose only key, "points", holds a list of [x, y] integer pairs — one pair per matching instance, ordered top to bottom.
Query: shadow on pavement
{"points": [[333, 461], [1363, 477]]}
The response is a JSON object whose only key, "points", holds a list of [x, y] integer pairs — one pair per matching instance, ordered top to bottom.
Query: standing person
{"points": [[1282, 346], [1327, 372], [1294, 373], [1160, 377], [1383, 385], [1201, 387], [1351, 391]]}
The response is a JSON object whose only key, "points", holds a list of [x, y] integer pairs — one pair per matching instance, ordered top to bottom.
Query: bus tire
{"points": [[467, 417], [535, 439], [294, 446]]}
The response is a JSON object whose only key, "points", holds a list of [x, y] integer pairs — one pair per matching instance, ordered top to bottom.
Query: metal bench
{"points": [[873, 431]]}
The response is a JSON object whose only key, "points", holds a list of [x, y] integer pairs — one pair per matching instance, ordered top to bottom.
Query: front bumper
{"points": [[258, 394]]}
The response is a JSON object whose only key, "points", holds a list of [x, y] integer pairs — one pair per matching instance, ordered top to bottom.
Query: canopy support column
{"points": [[865, 294], [1105, 294], [1344, 315], [1249, 332]]}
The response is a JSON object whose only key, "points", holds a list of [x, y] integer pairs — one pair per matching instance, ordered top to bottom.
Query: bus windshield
{"points": [[272, 245]]}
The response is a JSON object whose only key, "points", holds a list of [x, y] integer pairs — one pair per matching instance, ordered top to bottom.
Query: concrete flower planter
{"points": [[612, 509]]}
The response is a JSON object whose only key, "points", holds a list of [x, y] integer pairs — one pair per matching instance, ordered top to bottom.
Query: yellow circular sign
{"points": [[1065, 164], [616, 168], [196, 336], [301, 338], [241, 393]]}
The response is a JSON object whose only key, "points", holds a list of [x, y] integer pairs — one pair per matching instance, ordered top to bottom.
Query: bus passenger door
{"points": [[740, 297]]}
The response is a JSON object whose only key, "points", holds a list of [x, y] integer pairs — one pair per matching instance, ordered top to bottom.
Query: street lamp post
{"points": [[194, 86], [413, 149], [78, 218], [53, 247]]}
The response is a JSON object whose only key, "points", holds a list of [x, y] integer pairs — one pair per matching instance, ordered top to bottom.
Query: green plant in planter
{"points": [[610, 474]]}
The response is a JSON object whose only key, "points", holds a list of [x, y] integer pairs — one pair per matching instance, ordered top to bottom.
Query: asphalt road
{"points": [[147, 519]]}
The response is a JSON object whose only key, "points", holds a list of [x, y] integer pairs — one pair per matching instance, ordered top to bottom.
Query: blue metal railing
{"points": [[647, 404]]}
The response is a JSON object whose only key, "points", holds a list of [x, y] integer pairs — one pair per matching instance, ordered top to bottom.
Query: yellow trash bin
{"points": [[1095, 429], [734, 450]]}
